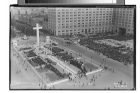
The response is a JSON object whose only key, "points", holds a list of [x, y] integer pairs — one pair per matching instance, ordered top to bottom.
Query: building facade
{"points": [[124, 18], [69, 21]]}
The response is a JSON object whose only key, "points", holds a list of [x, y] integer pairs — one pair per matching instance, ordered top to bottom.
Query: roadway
{"points": [[98, 59]]}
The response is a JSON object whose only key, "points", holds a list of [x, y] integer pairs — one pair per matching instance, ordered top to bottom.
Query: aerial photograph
{"points": [[72, 48]]}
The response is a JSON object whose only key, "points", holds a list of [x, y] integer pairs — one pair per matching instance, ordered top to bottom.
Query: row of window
{"points": [[83, 9], [79, 12], [94, 12], [83, 14], [124, 14], [86, 15], [96, 15], [91, 17], [125, 17], [83, 20], [125, 21], [83, 23], [125, 25], [86, 29], [91, 32]]}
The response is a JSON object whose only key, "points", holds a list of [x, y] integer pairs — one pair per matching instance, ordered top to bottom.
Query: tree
{"points": [[122, 31]]}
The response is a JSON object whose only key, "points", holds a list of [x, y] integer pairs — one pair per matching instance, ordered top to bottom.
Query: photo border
{"points": [[78, 6]]}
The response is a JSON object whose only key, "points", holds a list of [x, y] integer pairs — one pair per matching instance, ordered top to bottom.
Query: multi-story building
{"points": [[124, 19], [52, 21], [69, 21]]}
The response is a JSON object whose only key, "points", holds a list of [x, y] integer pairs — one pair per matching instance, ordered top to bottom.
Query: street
{"points": [[117, 66]]}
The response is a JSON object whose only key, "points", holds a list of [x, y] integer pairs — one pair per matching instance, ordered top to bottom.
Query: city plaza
{"points": [[39, 58], [47, 62]]}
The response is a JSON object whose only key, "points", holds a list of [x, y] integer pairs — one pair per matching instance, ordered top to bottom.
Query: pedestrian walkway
{"points": [[61, 64], [33, 69], [95, 71], [57, 82]]}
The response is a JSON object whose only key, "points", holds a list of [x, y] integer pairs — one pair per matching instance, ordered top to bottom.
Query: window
{"points": [[58, 15], [63, 15], [58, 18], [59, 22], [63, 26], [67, 26], [71, 26]]}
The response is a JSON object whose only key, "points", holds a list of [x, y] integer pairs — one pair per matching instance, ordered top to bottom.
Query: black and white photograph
{"points": [[72, 48]]}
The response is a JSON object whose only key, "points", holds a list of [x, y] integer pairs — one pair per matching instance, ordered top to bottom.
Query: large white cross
{"points": [[37, 32]]}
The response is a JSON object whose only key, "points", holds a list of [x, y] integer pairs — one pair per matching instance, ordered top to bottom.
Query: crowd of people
{"points": [[24, 28], [111, 36], [26, 48], [109, 51], [30, 53], [66, 57], [38, 63]]}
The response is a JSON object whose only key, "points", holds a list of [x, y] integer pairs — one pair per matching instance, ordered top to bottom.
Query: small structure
{"points": [[25, 37], [48, 40], [15, 42], [48, 45]]}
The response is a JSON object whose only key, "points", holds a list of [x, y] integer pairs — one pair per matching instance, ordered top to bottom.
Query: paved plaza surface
{"points": [[72, 48], [98, 58], [120, 69], [20, 77], [105, 79]]}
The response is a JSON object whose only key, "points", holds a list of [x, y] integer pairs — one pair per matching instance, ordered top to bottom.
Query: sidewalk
{"points": [[99, 58]]}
